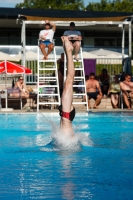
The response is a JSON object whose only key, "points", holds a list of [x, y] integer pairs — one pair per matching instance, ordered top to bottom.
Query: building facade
{"points": [[98, 36]]}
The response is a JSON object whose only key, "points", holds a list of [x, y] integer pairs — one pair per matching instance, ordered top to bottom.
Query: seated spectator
{"points": [[75, 37], [46, 38], [60, 63], [104, 80], [21, 85], [92, 85], [127, 90], [114, 91]]}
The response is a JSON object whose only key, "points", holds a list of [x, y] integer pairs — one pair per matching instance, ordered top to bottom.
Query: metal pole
{"points": [[130, 39], [23, 43], [123, 45], [130, 47]]}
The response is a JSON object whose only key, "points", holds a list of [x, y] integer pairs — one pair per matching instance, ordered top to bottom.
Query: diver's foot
{"points": [[67, 44], [129, 108]]}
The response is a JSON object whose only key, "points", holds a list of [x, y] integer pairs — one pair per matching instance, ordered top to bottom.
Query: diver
{"points": [[67, 110]]}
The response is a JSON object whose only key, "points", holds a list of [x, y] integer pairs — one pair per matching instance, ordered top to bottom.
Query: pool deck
{"points": [[56, 111]]}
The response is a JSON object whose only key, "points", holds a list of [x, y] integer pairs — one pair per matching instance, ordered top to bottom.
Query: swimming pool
{"points": [[30, 168]]}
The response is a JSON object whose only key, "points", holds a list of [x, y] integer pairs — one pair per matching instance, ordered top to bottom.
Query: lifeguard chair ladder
{"points": [[47, 81], [78, 98]]}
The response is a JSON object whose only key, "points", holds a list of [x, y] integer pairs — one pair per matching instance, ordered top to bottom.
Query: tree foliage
{"points": [[52, 4], [103, 5], [111, 6]]}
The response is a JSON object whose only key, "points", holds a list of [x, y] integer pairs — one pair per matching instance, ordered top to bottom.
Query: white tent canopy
{"points": [[118, 55]]}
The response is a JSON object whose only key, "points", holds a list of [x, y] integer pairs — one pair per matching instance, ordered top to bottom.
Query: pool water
{"points": [[30, 168]]}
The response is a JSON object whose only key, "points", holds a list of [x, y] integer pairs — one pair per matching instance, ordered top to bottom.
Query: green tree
{"points": [[53, 4], [111, 6]]}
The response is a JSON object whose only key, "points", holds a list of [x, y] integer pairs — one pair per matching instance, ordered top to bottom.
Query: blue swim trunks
{"points": [[46, 42]]}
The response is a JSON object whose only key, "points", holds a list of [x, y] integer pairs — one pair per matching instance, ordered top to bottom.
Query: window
{"points": [[106, 42]]}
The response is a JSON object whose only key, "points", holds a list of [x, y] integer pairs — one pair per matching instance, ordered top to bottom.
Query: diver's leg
{"points": [[67, 95]]}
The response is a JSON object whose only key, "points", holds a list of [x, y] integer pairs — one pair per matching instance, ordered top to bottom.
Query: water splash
{"points": [[61, 141]]}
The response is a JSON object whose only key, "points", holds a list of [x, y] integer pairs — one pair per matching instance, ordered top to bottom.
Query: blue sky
{"points": [[86, 2], [12, 3]]}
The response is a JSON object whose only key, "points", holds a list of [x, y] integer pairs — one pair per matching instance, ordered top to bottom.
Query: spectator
{"points": [[75, 37], [46, 39], [60, 63], [104, 80], [21, 85], [92, 85], [127, 90], [114, 91]]}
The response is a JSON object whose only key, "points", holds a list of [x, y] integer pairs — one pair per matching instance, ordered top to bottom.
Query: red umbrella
{"points": [[7, 67], [13, 68]]}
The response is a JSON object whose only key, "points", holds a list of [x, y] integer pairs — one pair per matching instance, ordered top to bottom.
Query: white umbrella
{"points": [[30, 55], [89, 55], [5, 56]]}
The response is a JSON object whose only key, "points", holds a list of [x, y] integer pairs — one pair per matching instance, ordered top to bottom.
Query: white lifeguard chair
{"points": [[47, 82]]}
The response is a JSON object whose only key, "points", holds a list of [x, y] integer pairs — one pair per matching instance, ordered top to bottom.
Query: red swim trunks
{"points": [[68, 115]]}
